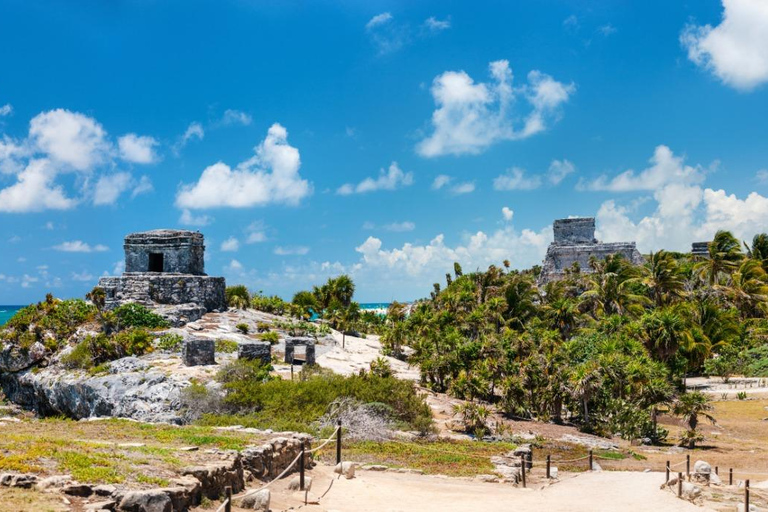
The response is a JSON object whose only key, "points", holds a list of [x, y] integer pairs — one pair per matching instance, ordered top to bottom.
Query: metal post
{"points": [[338, 442], [590, 460], [549, 461], [688, 466], [301, 468], [522, 468], [730, 476], [667, 480], [679, 485], [228, 497]]}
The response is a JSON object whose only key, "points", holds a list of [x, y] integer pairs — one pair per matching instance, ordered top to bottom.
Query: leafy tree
{"points": [[690, 406]]}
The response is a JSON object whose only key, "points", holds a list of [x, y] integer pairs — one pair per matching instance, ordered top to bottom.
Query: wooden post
{"points": [[338, 442], [590, 460], [549, 461], [688, 466], [301, 468], [522, 469], [716, 471], [730, 476], [667, 480], [679, 485], [228, 497], [746, 498]]}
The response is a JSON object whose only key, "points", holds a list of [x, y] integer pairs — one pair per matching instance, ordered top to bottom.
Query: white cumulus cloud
{"points": [[736, 50], [6, 110], [472, 116], [70, 138], [137, 149], [559, 170], [271, 176], [390, 179], [516, 179], [110, 187], [35, 190], [507, 213], [189, 219], [231, 244], [80, 246], [291, 251]]}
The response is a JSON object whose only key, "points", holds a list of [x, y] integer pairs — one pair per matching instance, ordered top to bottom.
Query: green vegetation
{"points": [[238, 296], [133, 315], [50, 322], [243, 328], [272, 337], [169, 342], [226, 346], [95, 350], [607, 350], [253, 398]]}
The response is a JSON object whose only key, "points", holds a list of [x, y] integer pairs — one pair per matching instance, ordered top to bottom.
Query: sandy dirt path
{"points": [[395, 492]]}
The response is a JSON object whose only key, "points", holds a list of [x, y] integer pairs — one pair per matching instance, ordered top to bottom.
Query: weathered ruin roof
{"points": [[164, 236]]}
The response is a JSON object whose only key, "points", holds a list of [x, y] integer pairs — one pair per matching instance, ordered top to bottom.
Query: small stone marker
{"points": [[255, 350], [198, 352]]}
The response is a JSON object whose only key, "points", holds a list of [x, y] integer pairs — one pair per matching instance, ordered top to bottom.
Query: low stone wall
{"points": [[561, 257], [269, 460]]}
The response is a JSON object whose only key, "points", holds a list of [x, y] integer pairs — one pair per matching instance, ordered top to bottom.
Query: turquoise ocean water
{"points": [[374, 305], [6, 312]]}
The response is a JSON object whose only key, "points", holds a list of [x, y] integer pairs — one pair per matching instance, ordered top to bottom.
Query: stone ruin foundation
{"points": [[575, 242], [165, 270], [255, 350], [290, 350], [198, 352]]}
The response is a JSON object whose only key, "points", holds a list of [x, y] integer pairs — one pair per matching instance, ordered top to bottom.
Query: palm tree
{"points": [[759, 249], [724, 252], [662, 277], [610, 289], [748, 289], [521, 295], [664, 331], [586, 380], [689, 406]]}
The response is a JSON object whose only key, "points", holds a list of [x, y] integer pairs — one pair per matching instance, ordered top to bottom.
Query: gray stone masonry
{"points": [[575, 243], [700, 249], [172, 251], [164, 268], [290, 348], [255, 350], [198, 352]]}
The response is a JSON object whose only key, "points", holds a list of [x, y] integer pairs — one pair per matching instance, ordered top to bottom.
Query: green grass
{"points": [[452, 458]]}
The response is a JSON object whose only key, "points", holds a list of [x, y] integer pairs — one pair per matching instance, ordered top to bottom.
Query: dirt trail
{"points": [[395, 492]]}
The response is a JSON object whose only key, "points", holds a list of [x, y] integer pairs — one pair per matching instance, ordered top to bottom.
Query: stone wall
{"points": [[580, 230], [182, 251], [152, 289], [270, 459]]}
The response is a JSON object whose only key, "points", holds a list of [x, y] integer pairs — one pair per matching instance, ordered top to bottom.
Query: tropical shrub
{"points": [[238, 296], [133, 315], [243, 328], [169, 342]]}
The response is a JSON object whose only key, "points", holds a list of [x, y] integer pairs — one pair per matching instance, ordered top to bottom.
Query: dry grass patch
{"points": [[22, 500]]}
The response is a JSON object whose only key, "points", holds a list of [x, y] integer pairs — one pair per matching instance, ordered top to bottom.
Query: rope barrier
{"points": [[325, 443], [571, 460], [278, 477], [223, 505]]}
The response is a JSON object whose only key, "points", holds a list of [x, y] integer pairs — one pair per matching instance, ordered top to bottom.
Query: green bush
{"points": [[238, 296], [273, 304], [133, 315], [50, 322], [263, 327], [243, 328], [272, 337], [170, 342], [226, 346], [95, 350], [756, 361], [381, 367], [281, 404]]}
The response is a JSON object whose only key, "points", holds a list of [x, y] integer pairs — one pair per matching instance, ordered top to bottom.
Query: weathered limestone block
{"points": [[165, 250], [290, 349], [255, 350], [198, 352], [14, 359], [346, 469], [21, 480], [153, 500], [258, 501]]}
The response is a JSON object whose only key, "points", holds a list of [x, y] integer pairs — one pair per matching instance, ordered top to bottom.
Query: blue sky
{"points": [[382, 139]]}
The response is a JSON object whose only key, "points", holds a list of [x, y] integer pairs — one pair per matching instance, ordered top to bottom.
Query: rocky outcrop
{"points": [[198, 352], [14, 358], [134, 391], [267, 461], [257, 501]]}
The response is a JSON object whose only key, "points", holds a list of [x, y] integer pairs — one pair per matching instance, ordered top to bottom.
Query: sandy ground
{"points": [[358, 353], [752, 386], [395, 492]]}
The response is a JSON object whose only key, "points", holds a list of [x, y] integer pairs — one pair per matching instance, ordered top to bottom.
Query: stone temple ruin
{"points": [[575, 242], [165, 270]]}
